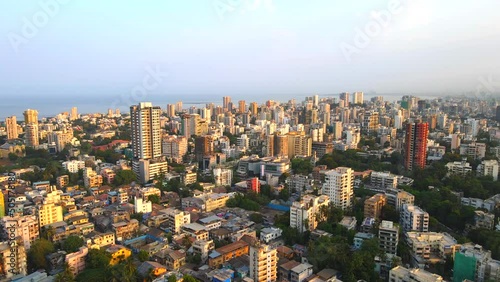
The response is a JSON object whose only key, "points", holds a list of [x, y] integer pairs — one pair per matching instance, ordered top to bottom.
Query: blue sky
{"points": [[257, 47]]}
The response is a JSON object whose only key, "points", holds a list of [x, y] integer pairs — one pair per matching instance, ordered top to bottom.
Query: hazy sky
{"points": [[229, 47]]}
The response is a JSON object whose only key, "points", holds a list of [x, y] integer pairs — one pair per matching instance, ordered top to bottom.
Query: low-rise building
{"points": [[374, 205], [270, 233], [360, 237], [430, 247], [118, 253], [225, 253], [76, 260], [401, 274]]}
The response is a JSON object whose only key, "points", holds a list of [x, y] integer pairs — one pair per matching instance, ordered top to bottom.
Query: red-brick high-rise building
{"points": [[416, 145]]}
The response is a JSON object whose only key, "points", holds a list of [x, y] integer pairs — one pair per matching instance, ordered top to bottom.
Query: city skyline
{"points": [[267, 48]]}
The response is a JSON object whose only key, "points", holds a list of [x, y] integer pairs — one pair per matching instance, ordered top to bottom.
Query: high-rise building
{"points": [[344, 97], [357, 98], [225, 102], [178, 106], [242, 106], [254, 108], [170, 110], [74, 113], [498, 114], [31, 116], [31, 120], [398, 120], [371, 121], [11, 126], [337, 130], [146, 131], [146, 141], [299, 144], [416, 145], [203, 146], [174, 147], [338, 186], [304, 214], [388, 235], [263, 263]]}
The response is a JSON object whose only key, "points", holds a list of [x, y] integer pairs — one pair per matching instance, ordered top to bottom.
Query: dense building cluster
{"points": [[298, 191]]}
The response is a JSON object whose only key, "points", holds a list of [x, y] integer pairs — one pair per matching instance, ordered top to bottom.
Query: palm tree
{"points": [[66, 275]]}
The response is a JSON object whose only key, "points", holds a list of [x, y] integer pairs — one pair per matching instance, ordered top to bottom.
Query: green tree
{"points": [[13, 157], [124, 177], [154, 199], [257, 217], [47, 232], [72, 244], [36, 255], [143, 255], [98, 258], [66, 275], [172, 278], [189, 278]]}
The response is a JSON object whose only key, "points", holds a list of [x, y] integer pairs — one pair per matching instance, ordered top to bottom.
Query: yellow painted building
{"points": [[118, 253]]}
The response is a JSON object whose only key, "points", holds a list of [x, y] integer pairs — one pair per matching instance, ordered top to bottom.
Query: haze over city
{"points": [[265, 48]]}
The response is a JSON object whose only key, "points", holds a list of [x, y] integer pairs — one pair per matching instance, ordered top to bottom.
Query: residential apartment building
{"points": [[11, 127], [31, 135], [146, 142], [299, 144], [416, 145], [174, 147], [474, 151], [73, 166], [488, 167], [462, 168], [223, 176], [91, 178], [383, 180], [338, 186], [399, 198], [216, 201], [374, 205], [49, 213], [303, 214], [413, 218], [176, 219], [25, 227], [125, 229], [270, 233], [388, 236], [430, 247], [203, 248], [228, 252], [76, 260], [12, 262], [263, 263], [474, 263], [401, 274]]}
